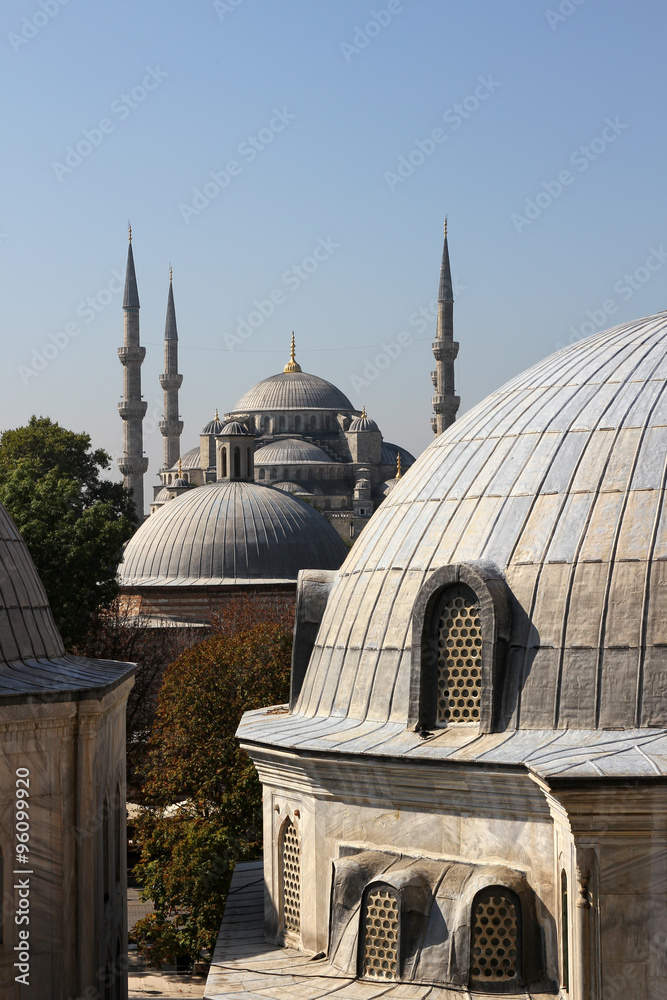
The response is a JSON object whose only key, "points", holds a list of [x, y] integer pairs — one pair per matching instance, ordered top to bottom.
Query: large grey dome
{"points": [[293, 391], [294, 451], [558, 479], [226, 533]]}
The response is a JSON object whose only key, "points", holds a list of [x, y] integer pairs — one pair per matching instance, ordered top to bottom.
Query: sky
{"points": [[240, 136]]}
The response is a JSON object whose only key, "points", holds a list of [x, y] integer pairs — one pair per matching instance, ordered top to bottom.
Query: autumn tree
{"points": [[74, 522], [204, 794]]}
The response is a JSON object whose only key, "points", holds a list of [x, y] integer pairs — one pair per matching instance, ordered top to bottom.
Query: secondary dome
{"points": [[293, 391], [363, 423], [214, 426], [288, 451], [390, 453], [558, 480], [226, 533]]}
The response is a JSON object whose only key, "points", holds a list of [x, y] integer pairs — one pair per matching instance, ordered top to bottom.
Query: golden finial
{"points": [[445, 225], [129, 231], [171, 273], [292, 365], [216, 414], [364, 415], [180, 469], [399, 471]]}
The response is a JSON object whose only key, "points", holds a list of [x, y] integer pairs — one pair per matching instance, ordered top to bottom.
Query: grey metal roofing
{"points": [[131, 293], [170, 329], [293, 391], [363, 424], [213, 426], [235, 427], [286, 451], [389, 454], [191, 460], [558, 478], [289, 487], [386, 487], [162, 495], [226, 533], [33, 664]]}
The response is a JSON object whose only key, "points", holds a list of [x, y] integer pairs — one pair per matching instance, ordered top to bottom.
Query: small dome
{"points": [[293, 391], [363, 423], [214, 426], [236, 427], [292, 451], [191, 460], [180, 483], [289, 487], [163, 495], [226, 533]]}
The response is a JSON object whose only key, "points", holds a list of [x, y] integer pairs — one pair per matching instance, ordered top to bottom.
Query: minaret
{"points": [[171, 382], [445, 402], [132, 408]]}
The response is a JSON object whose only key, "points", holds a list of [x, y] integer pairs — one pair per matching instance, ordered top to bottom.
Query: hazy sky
{"points": [[352, 127]]}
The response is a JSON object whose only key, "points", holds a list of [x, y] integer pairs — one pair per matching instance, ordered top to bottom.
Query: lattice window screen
{"points": [[459, 662], [291, 862], [381, 935], [494, 943]]}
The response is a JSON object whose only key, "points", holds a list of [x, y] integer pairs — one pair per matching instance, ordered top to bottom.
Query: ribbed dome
{"points": [[293, 391], [363, 423], [213, 426], [235, 427], [288, 451], [390, 453], [191, 460], [558, 478], [289, 487], [230, 532]]}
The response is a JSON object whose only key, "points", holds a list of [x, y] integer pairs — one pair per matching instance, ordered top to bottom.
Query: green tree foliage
{"points": [[73, 522], [189, 849]]}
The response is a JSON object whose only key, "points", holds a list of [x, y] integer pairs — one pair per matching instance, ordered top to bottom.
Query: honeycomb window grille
{"points": [[459, 662], [291, 877], [381, 935], [495, 947]]}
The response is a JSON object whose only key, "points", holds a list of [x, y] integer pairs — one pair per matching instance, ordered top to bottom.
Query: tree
{"points": [[74, 523], [205, 797]]}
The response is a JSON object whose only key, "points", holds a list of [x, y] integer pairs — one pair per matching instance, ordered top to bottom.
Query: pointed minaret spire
{"points": [[445, 349], [132, 408], [170, 426]]}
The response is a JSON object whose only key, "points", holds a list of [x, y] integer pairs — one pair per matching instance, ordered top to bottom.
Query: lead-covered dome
{"points": [[293, 391], [290, 451], [557, 480], [227, 533]]}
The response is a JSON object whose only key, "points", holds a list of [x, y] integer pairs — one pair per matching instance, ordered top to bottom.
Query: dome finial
{"points": [[445, 226], [129, 231], [171, 273], [292, 365], [363, 413], [216, 414], [399, 471]]}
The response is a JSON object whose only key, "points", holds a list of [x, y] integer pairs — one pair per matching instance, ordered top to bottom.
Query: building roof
{"points": [[293, 391], [286, 451], [558, 480], [227, 533], [33, 662]]}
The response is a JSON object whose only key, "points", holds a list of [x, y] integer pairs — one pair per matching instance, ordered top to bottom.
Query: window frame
{"points": [[486, 584], [363, 912], [289, 935], [511, 986]]}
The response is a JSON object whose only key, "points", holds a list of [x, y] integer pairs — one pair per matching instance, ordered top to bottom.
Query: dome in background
{"points": [[293, 391], [363, 423], [214, 426], [286, 451], [390, 453], [191, 460], [557, 479], [227, 533]]}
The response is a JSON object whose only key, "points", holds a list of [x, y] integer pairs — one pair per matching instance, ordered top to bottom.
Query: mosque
{"points": [[466, 795]]}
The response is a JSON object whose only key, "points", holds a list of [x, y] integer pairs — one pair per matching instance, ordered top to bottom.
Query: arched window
{"points": [[313, 423], [327, 423], [281, 424], [297, 424], [266, 425], [248, 460], [224, 463], [237, 463], [274, 473], [285, 473], [262, 474], [186, 477], [169, 479], [459, 661], [290, 850], [564, 930], [381, 934], [495, 940]]}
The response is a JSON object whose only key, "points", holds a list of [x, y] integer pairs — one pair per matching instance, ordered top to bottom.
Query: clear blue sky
{"points": [[352, 101]]}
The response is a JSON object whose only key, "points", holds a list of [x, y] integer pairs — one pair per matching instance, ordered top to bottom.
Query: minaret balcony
{"points": [[445, 350], [127, 355], [434, 379], [171, 381], [445, 404], [129, 408], [171, 428], [130, 466]]}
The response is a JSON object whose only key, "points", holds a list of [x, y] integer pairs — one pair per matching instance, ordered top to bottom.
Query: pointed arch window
{"points": [[281, 423], [313, 423], [297, 424], [224, 463], [237, 463], [459, 661], [290, 851], [381, 934], [495, 942]]}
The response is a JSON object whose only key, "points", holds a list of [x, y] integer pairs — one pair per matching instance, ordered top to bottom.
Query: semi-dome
{"points": [[293, 391], [294, 451], [553, 488], [227, 533]]}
